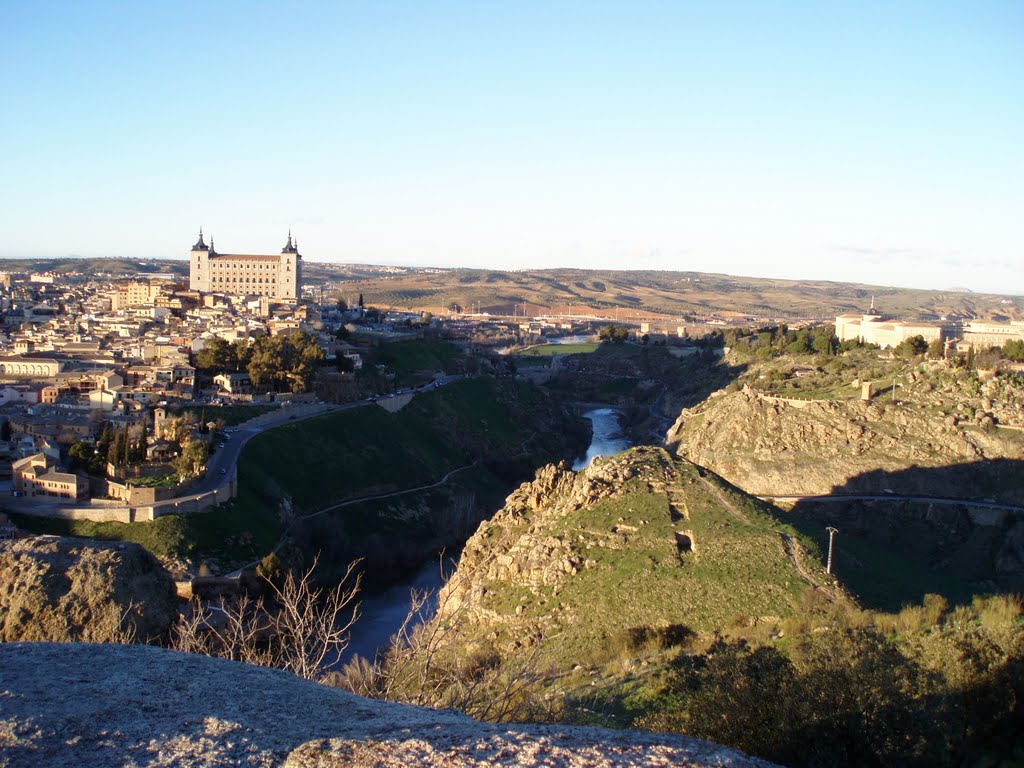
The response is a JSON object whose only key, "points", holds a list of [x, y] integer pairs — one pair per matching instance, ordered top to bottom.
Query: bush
{"points": [[998, 610]]}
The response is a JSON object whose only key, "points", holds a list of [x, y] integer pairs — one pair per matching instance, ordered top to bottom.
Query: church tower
{"points": [[199, 266]]}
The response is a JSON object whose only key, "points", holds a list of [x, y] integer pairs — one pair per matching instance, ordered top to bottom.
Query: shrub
{"points": [[935, 607], [998, 610]]}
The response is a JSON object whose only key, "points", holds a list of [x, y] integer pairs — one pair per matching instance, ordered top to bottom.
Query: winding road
{"points": [[224, 460], [843, 497]]}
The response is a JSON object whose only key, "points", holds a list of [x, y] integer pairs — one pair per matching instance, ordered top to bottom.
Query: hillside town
{"points": [[97, 373], [113, 386]]}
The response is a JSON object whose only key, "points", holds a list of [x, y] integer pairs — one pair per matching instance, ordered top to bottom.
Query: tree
{"points": [[361, 305], [613, 333], [825, 344], [800, 345], [912, 347], [937, 349], [1014, 350], [241, 351], [215, 356], [279, 361], [265, 363], [176, 428], [126, 447], [116, 450], [84, 456], [192, 458], [271, 568], [302, 629]]}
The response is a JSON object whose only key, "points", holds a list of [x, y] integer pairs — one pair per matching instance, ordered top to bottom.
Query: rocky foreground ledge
{"points": [[76, 704]]}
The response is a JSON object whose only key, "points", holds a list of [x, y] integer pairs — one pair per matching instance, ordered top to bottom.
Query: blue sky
{"points": [[881, 142]]}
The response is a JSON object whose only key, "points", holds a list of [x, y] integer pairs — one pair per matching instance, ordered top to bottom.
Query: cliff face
{"points": [[769, 446], [640, 542], [73, 589], [75, 705]]}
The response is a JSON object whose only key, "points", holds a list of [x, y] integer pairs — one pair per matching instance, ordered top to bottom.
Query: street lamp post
{"points": [[831, 538]]}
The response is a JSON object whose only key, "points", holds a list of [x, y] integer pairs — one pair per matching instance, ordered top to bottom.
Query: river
{"points": [[607, 438], [382, 613]]}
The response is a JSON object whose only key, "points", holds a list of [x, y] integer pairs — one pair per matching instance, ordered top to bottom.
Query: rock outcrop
{"points": [[773, 446], [640, 541], [80, 590], [65, 705]]}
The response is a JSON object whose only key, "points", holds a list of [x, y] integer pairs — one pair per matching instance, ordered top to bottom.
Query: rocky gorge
{"points": [[770, 445]]}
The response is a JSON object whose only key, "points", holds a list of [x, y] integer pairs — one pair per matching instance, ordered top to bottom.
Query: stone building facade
{"points": [[277, 277], [876, 329], [982, 335], [18, 366], [38, 475]]}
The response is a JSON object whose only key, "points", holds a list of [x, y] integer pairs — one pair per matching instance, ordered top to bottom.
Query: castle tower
{"points": [[291, 261], [199, 266], [159, 419]]}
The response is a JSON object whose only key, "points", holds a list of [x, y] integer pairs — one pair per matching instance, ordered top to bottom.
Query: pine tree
{"points": [[105, 439]]}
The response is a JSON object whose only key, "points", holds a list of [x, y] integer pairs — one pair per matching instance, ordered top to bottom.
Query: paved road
{"points": [[223, 460], [839, 497]]}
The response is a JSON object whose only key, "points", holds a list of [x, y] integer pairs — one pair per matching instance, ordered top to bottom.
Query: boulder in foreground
{"points": [[65, 589], [112, 705]]}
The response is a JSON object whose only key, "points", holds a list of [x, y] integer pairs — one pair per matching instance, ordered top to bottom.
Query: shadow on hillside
{"points": [[645, 382], [893, 551]]}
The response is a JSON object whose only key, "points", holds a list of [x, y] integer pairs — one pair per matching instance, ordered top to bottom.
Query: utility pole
{"points": [[831, 537]]}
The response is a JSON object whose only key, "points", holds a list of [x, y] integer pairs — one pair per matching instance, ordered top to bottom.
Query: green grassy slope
{"points": [[410, 358], [501, 428], [736, 569]]}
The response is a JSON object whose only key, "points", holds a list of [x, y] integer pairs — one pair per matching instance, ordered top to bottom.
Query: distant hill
{"points": [[97, 267], [627, 295], [672, 295]]}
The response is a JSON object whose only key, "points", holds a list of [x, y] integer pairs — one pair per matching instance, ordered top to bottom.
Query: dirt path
{"points": [[742, 517], [792, 549], [795, 552], [238, 572]]}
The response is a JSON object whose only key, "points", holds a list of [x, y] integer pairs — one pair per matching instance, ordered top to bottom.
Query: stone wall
{"points": [[144, 511]]}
